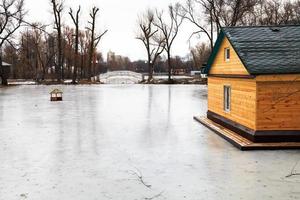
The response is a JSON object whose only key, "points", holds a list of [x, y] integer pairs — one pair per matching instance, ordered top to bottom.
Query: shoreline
{"points": [[85, 82]]}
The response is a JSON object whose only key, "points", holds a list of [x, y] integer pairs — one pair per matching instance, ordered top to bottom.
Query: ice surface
{"points": [[95, 144]]}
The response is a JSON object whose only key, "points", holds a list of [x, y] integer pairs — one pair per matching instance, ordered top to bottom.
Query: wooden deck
{"points": [[241, 142]]}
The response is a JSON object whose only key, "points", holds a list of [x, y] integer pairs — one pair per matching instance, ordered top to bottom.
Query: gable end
{"points": [[219, 65]]}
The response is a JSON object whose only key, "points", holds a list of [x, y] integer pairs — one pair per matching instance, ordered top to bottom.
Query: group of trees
{"points": [[220, 13], [11, 17], [158, 33], [70, 51], [65, 52]]}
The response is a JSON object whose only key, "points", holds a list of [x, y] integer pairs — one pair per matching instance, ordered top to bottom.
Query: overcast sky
{"points": [[119, 17]]}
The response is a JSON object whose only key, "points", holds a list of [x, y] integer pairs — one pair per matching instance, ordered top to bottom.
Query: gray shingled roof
{"points": [[267, 50]]}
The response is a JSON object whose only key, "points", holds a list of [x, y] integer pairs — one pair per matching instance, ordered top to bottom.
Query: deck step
{"points": [[241, 142]]}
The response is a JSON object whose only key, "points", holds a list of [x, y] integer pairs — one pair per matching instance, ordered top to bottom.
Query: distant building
{"points": [[111, 56], [117, 62], [179, 71], [4, 72], [196, 73], [254, 82]]}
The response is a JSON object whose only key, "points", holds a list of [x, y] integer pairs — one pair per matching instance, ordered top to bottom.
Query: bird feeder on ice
{"points": [[56, 95]]}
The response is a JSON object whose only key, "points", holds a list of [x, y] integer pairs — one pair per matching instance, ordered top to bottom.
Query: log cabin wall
{"points": [[243, 91], [243, 99], [278, 102]]}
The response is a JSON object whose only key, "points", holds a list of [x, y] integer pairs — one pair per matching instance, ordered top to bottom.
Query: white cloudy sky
{"points": [[119, 17]]}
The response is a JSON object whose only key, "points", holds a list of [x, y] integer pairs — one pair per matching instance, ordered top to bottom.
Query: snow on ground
{"points": [[22, 83], [128, 142]]}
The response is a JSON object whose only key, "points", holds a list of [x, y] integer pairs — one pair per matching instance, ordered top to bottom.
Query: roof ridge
{"points": [[262, 26]]}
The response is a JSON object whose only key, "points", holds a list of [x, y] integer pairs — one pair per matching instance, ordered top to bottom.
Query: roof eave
{"points": [[214, 52]]}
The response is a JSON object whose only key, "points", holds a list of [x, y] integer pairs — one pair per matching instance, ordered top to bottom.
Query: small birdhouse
{"points": [[56, 95]]}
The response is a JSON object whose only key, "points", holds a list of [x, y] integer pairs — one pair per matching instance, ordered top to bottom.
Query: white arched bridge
{"points": [[121, 77]]}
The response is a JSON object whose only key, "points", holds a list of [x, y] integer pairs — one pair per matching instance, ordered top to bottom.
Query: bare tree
{"points": [[57, 8], [192, 10], [297, 11], [232, 12], [276, 12], [272, 13], [11, 17], [75, 20], [169, 31], [36, 37], [151, 39], [94, 40], [68, 51], [10, 54], [47, 54], [200, 54], [28, 55]]}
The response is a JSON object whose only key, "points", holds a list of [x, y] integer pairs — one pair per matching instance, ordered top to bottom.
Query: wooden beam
{"points": [[232, 76], [278, 77], [243, 143]]}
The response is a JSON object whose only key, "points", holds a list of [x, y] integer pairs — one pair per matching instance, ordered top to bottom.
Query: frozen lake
{"points": [[113, 142]]}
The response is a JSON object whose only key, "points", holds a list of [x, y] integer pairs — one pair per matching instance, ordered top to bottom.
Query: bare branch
{"points": [[293, 171], [139, 175], [155, 196]]}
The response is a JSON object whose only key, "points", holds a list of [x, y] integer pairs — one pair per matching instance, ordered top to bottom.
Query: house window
{"points": [[227, 54], [227, 98]]}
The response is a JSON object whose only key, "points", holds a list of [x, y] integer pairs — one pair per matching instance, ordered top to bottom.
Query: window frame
{"points": [[227, 54], [227, 98]]}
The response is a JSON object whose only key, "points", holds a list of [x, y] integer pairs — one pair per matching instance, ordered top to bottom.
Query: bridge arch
{"points": [[121, 77]]}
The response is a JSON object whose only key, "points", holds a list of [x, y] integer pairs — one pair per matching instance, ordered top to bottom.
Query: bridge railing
{"points": [[119, 74]]}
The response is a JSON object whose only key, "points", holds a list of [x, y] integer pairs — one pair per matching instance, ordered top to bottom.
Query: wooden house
{"points": [[254, 83], [56, 95]]}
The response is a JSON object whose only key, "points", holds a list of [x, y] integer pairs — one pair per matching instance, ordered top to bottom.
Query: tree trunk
{"points": [[211, 31], [91, 53], [76, 56], [59, 58], [62, 62], [81, 67], [169, 67], [36, 69], [75, 69], [150, 69], [2, 71], [43, 73]]}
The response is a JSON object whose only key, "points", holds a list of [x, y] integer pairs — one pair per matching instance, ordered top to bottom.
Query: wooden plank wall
{"points": [[234, 66], [243, 99], [278, 105]]}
